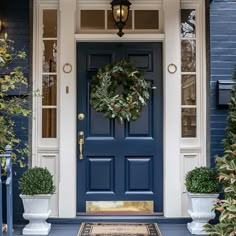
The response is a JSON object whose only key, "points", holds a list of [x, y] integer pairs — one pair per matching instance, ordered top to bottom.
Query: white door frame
{"points": [[172, 85], [65, 153]]}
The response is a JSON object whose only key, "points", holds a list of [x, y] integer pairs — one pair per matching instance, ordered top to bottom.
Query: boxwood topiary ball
{"points": [[36, 180], [202, 180]]}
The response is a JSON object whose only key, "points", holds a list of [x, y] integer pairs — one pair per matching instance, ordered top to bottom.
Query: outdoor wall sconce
{"points": [[120, 13]]}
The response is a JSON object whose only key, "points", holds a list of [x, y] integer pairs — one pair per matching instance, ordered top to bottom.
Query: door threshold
{"points": [[82, 217]]}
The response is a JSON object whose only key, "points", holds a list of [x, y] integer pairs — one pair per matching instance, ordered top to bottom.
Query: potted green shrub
{"points": [[36, 187], [203, 189]]}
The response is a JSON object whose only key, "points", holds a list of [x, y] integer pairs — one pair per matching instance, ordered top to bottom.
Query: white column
{"points": [[67, 111], [172, 112]]}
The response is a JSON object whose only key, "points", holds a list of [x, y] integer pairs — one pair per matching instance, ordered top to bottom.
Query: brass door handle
{"points": [[81, 142]]}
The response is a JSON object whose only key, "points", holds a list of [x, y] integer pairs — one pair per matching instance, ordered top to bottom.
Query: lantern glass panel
{"points": [[116, 13], [120, 13], [124, 13], [111, 24]]}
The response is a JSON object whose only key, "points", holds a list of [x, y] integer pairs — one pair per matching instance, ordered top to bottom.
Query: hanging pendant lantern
{"points": [[120, 13]]}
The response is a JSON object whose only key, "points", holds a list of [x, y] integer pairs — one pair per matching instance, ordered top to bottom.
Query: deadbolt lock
{"points": [[81, 116]]}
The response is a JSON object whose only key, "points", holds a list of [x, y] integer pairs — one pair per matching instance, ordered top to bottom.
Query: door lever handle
{"points": [[81, 142]]}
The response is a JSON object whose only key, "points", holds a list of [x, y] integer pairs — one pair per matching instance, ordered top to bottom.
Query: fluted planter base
{"points": [[36, 210], [200, 210], [37, 228]]}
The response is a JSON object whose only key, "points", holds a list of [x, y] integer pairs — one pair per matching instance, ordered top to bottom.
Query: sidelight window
{"points": [[188, 73], [49, 74]]}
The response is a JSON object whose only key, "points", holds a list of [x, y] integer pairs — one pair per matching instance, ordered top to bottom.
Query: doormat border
{"points": [[155, 230]]}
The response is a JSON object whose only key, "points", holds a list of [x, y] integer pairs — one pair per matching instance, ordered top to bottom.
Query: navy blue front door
{"points": [[121, 162]]}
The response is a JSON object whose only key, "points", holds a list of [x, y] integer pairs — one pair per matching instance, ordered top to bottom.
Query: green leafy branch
{"points": [[12, 80], [226, 166]]}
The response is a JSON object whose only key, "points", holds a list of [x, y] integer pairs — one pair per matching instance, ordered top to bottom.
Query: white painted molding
{"points": [[190, 1], [48, 2], [105, 2], [115, 38], [35, 84], [203, 89], [172, 111], [67, 122], [42, 147], [173, 149], [190, 149]]}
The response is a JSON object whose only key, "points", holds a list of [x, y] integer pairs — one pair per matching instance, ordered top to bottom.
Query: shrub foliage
{"points": [[12, 102], [226, 166], [36, 180], [202, 180]]}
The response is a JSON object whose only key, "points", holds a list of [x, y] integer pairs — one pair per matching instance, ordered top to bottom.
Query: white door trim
{"points": [[125, 38], [65, 152]]}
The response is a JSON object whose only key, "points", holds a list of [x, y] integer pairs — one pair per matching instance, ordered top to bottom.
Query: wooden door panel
{"points": [[98, 59], [141, 60], [105, 127], [141, 128], [122, 162], [100, 174], [142, 182]]}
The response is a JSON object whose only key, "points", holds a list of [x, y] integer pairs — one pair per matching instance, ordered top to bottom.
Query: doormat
{"points": [[119, 229]]}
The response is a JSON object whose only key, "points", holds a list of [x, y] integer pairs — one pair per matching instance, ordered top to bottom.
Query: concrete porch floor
{"points": [[72, 230]]}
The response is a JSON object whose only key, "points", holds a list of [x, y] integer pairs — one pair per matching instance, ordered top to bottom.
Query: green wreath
{"points": [[119, 91]]}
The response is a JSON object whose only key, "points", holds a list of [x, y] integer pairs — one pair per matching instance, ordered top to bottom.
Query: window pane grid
{"points": [[139, 20], [188, 73], [49, 74]]}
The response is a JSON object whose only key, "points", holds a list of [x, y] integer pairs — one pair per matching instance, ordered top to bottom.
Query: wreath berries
{"points": [[119, 91]]}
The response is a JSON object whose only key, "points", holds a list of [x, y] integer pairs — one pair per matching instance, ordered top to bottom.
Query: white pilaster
{"points": [[67, 109], [172, 112]]}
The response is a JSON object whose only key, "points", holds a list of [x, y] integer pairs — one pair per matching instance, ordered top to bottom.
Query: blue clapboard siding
{"points": [[16, 19], [223, 59]]}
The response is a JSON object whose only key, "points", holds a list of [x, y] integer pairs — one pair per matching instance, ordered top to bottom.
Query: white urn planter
{"points": [[36, 210], [200, 210]]}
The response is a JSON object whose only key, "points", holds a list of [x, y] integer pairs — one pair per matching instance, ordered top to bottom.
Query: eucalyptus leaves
{"points": [[119, 91]]}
